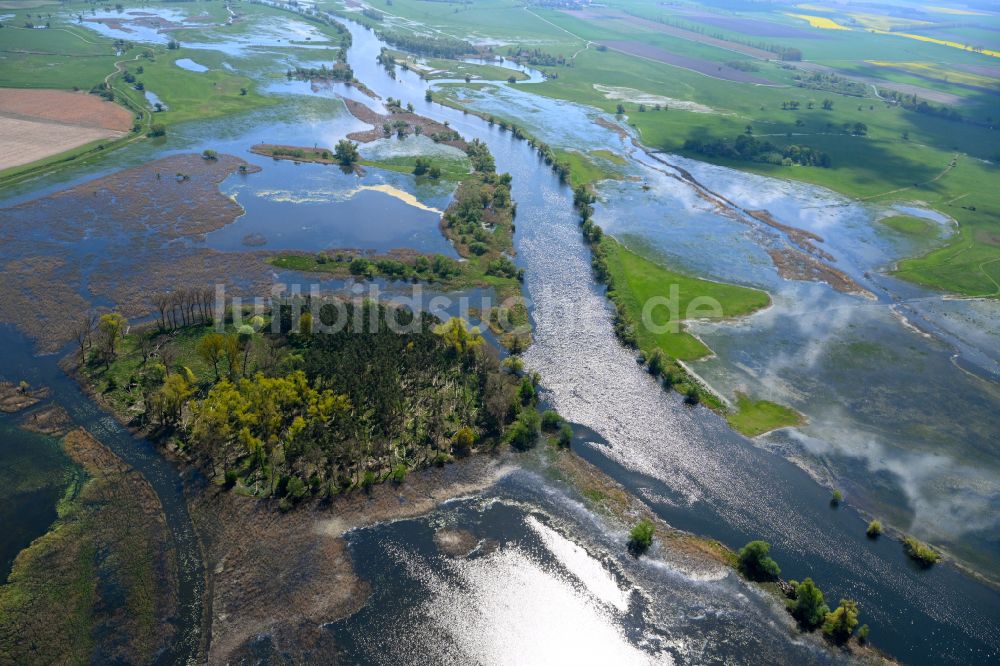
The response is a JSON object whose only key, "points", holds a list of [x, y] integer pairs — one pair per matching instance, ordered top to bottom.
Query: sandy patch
{"points": [[639, 97], [402, 195]]}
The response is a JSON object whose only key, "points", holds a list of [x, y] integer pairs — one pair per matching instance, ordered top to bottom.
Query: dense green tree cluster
{"points": [[435, 47], [536, 57], [338, 72], [914, 103], [749, 148], [482, 159], [386, 392], [805, 601]]}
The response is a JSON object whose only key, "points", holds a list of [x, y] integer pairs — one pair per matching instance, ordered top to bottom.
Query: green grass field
{"points": [[197, 95], [453, 169], [585, 169], [911, 226], [637, 280], [755, 417]]}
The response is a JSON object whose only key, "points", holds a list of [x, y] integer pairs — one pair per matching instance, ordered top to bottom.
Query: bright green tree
{"points": [[809, 607]]}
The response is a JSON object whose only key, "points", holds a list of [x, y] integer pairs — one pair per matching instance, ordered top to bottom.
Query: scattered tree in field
{"points": [[620, 109], [157, 129], [210, 154], [434, 172], [874, 529], [641, 537], [755, 563]]}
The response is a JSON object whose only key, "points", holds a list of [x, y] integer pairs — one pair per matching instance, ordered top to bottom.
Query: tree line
{"points": [[749, 148]]}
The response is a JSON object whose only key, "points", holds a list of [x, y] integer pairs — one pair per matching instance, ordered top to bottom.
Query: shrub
{"points": [[157, 129], [656, 362], [527, 391], [550, 420], [524, 431], [565, 435], [463, 439], [398, 473], [230, 479], [368, 480], [295, 488], [836, 497], [874, 529], [641, 537], [921, 552], [755, 563], [809, 607], [840, 624], [863, 634]]}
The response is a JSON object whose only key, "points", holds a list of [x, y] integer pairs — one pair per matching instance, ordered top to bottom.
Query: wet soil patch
{"points": [[427, 126], [115, 241]]}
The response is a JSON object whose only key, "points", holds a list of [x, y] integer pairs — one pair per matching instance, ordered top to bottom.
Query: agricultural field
{"points": [[36, 124]]}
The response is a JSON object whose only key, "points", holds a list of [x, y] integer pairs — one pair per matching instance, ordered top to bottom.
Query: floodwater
{"points": [[190, 65], [17, 361], [34, 475], [546, 564]]}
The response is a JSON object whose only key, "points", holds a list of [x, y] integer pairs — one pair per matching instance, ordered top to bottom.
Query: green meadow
{"points": [[637, 280]]}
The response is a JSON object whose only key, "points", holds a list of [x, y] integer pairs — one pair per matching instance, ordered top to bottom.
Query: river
{"points": [[686, 463]]}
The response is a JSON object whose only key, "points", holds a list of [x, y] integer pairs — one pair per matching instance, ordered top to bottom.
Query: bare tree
{"points": [[82, 331]]}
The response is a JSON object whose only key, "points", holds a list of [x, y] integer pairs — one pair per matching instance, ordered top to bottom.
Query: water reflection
{"points": [[520, 591]]}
